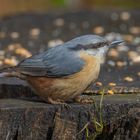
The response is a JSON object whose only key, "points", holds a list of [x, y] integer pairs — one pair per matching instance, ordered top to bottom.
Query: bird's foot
{"points": [[84, 99], [59, 102]]}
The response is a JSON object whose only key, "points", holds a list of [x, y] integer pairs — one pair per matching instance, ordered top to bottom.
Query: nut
{"points": [[125, 15], [59, 22], [98, 30], [134, 30], [34, 32], [14, 35], [128, 37], [54, 43], [14, 46], [23, 52], [113, 53], [132, 54], [136, 59], [10, 61], [1, 63], [121, 63], [138, 73], [128, 79], [98, 84], [112, 84], [110, 92]]}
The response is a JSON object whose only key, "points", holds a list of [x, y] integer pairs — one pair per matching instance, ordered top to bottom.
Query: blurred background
{"points": [[14, 6], [31, 26]]}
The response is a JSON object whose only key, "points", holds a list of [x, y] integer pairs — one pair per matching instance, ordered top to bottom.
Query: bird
{"points": [[65, 71]]}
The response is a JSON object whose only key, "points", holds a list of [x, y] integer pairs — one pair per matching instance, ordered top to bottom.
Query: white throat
{"points": [[99, 53]]}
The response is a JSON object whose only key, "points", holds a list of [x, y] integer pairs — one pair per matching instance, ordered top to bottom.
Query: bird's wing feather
{"points": [[56, 62]]}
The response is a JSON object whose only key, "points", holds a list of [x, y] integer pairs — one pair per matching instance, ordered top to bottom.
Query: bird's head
{"points": [[93, 45]]}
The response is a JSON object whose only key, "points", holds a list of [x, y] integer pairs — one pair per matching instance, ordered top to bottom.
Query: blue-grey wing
{"points": [[56, 62]]}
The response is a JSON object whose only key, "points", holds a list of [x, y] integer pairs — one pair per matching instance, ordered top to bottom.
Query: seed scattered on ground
{"points": [[125, 15], [59, 22], [98, 30], [134, 30], [34, 32], [14, 35], [128, 37], [54, 43], [12, 47], [23, 52], [113, 53], [132, 54], [136, 60], [10, 61], [1, 62], [121, 63], [138, 73], [128, 79], [98, 84], [112, 84], [110, 92]]}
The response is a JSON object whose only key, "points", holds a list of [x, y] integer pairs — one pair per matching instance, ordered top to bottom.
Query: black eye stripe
{"points": [[91, 46]]}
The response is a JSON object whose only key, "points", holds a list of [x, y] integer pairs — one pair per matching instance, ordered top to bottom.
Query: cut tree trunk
{"points": [[34, 120]]}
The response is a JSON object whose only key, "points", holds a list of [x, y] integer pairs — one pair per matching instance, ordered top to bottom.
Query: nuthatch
{"points": [[63, 72]]}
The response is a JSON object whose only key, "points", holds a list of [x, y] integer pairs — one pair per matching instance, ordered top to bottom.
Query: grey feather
{"points": [[85, 40], [59, 61], [55, 62]]}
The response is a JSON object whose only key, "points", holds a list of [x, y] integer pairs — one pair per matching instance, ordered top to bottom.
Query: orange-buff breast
{"points": [[69, 87]]}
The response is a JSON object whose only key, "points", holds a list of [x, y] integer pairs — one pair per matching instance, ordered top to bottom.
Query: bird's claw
{"points": [[84, 99], [59, 102]]}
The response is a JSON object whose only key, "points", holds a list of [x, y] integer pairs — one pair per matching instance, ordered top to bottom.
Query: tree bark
{"points": [[27, 120]]}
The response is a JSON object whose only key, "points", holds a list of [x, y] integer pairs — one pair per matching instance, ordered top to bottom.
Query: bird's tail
{"points": [[9, 72]]}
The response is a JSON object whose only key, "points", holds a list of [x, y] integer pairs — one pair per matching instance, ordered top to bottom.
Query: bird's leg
{"points": [[84, 99], [58, 102]]}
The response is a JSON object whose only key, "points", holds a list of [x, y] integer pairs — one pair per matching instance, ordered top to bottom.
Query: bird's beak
{"points": [[115, 43]]}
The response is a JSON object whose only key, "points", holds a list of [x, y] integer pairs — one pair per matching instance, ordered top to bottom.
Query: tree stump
{"points": [[27, 120]]}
